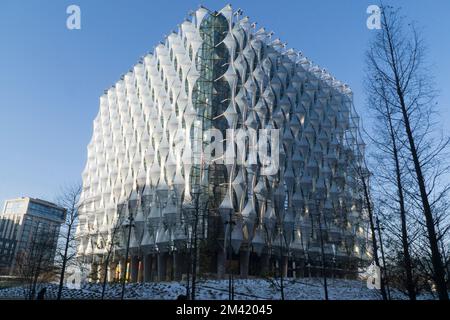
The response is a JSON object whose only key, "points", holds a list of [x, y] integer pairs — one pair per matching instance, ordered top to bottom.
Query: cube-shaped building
{"points": [[225, 150]]}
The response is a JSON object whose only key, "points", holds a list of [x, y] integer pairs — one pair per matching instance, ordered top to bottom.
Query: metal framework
{"points": [[219, 72]]}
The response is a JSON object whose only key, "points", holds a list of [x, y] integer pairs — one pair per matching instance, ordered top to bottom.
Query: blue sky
{"points": [[51, 77]]}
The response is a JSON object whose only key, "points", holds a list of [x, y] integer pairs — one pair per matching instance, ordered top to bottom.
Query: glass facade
{"points": [[218, 72], [211, 96], [15, 207], [44, 211], [23, 223]]}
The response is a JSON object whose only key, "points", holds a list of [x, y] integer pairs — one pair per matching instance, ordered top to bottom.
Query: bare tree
{"points": [[398, 75], [390, 168], [363, 175], [68, 199], [110, 244], [35, 263]]}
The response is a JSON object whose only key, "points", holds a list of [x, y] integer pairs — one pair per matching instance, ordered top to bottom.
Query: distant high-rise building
{"points": [[287, 176], [25, 224]]}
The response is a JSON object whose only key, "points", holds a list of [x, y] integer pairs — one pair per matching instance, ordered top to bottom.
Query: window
{"points": [[190, 52], [186, 87], [15, 207], [38, 209]]}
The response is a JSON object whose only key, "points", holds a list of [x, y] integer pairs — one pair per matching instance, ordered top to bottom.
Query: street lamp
{"points": [[195, 194], [279, 206], [132, 207], [226, 211], [191, 216], [230, 224], [188, 246], [281, 264], [325, 285]]}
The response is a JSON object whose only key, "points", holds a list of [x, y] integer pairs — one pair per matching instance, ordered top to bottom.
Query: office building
{"points": [[278, 187]]}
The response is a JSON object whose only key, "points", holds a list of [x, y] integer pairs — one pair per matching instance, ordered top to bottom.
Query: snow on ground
{"points": [[249, 289]]}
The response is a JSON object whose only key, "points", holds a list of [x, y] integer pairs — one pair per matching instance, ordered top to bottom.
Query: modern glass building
{"points": [[223, 151], [28, 228]]}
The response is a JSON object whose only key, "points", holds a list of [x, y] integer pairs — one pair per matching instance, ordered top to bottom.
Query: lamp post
{"points": [[195, 193], [279, 201], [132, 207], [226, 211], [230, 222], [378, 228], [191, 243], [110, 246], [188, 246], [281, 263], [325, 285]]}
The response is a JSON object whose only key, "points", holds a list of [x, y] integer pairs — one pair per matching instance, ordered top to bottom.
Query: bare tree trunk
{"points": [[395, 62], [68, 199], [401, 201], [373, 233], [383, 258], [436, 259], [64, 263], [439, 271], [105, 276], [36, 277]]}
